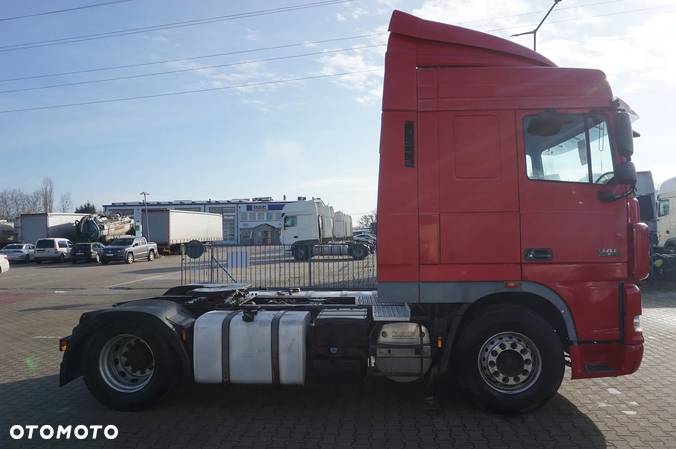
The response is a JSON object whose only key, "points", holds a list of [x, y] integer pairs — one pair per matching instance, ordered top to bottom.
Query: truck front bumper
{"points": [[605, 359]]}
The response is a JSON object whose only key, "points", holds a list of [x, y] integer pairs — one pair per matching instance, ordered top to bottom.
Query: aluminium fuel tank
{"points": [[265, 347]]}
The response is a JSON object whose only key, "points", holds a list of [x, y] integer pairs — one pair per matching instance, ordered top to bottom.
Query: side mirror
{"points": [[624, 136], [625, 174]]}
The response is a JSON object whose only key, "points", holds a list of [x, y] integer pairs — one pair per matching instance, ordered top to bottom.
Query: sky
{"points": [[270, 121]]}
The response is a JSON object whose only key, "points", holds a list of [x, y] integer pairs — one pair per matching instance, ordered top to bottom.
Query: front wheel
{"points": [[151, 256], [130, 258], [510, 359], [127, 367]]}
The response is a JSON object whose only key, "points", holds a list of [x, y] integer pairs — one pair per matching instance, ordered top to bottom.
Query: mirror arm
{"points": [[607, 196]]}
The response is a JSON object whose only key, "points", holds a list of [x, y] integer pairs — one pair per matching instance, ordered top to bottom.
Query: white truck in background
{"points": [[666, 214], [169, 228], [311, 229]]}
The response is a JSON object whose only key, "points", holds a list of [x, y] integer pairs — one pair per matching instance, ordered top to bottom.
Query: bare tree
{"points": [[47, 194], [14, 202], [65, 203], [368, 221]]}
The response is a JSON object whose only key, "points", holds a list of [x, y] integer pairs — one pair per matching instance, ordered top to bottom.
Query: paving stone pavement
{"points": [[637, 411]]}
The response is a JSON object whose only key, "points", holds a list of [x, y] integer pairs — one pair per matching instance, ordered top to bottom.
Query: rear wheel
{"points": [[151, 256], [130, 258], [510, 359], [127, 367]]}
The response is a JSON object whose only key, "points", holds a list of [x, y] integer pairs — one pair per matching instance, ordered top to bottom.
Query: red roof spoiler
{"points": [[409, 25]]}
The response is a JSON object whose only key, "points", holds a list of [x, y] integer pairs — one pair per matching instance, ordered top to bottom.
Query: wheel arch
{"points": [[535, 297], [164, 317]]}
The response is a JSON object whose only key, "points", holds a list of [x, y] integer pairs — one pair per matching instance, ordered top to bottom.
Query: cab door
{"points": [[571, 241]]}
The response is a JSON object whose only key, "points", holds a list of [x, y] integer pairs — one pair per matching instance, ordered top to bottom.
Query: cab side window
{"points": [[568, 148], [663, 208], [63, 244]]}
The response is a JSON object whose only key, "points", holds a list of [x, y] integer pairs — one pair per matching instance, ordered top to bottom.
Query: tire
{"points": [[359, 252], [300, 253], [151, 255], [62, 258], [130, 258], [27, 259], [97, 259], [73, 261], [38, 262], [105, 262], [104, 377], [529, 379]]}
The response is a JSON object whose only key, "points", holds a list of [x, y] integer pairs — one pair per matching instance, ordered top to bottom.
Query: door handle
{"points": [[541, 254]]}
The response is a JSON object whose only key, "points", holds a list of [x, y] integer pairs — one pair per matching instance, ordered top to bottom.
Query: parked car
{"points": [[368, 239], [129, 249], [57, 250], [19, 252], [88, 252], [4, 264]]}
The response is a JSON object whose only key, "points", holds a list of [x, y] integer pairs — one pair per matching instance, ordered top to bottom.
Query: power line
{"points": [[562, 8], [59, 11], [616, 13], [166, 26], [192, 58], [192, 69], [185, 92]]}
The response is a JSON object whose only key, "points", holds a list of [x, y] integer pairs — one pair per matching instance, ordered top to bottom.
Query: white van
{"points": [[57, 250]]}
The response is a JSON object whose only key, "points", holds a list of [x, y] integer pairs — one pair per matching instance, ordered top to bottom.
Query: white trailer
{"points": [[666, 214], [52, 225], [169, 227], [308, 227]]}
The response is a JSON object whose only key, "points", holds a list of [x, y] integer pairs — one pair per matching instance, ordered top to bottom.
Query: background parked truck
{"points": [[52, 225], [170, 228], [312, 228]]}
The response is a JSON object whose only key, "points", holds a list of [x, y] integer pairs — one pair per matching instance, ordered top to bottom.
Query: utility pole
{"points": [[535, 31], [145, 204]]}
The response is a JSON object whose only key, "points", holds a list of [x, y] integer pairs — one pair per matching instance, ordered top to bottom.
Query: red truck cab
{"points": [[506, 179]]}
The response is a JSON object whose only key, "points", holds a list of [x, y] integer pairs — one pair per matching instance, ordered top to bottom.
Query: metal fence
{"points": [[275, 267]]}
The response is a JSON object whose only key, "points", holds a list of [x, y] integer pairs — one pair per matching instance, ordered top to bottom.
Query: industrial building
{"points": [[246, 221]]}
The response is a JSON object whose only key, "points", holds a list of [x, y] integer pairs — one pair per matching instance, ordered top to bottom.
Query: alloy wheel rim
{"points": [[509, 362]]}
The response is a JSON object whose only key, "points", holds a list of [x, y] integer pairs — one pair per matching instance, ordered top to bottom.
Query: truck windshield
{"points": [[568, 148], [122, 242]]}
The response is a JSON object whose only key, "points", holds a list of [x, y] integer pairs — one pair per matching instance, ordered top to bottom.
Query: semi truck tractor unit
{"points": [[312, 228], [509, 246]]}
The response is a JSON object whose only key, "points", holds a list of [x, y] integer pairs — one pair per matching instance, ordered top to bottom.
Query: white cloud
{"points": [[368, 83], [282, 151]]}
